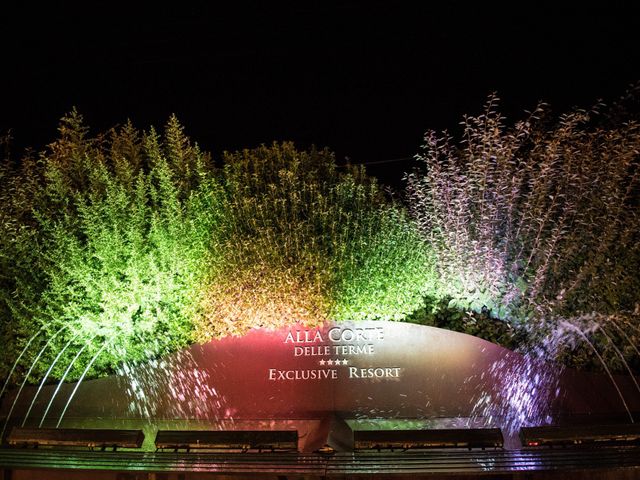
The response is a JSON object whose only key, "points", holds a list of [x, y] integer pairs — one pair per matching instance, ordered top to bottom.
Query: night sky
{"points": [[366, 79]]}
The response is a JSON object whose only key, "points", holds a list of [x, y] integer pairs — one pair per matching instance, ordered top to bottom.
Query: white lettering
{"points": [[368, 334], [332, 335], [305, 336], [353, 349], [322, 350], [386, 372], [317, 374]]}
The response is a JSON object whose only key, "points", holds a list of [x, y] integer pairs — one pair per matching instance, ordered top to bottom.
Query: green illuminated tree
{"points": [[108, 239], [308, 242], [130, 245]]}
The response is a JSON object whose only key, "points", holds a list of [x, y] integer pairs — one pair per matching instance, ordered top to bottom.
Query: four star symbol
{"points": [[331, 362]]}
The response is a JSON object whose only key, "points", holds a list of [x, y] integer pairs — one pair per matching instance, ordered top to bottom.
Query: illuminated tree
{"points": [[536, 224], [106, 241], [310, 243], [127, 246]]}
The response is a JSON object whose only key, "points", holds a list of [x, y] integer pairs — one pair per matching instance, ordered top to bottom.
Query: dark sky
{"points": [[363, 78]]}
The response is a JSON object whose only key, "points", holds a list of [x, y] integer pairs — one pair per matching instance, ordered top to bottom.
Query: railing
{"points": [[623, 434], [75, 437], [425, 439], [243, 440]]}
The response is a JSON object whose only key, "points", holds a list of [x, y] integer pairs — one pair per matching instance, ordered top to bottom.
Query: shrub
{"points": [[535, 223], [105, 243], [309, 243]]}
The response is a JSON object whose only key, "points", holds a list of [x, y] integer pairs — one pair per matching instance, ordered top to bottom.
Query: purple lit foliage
{"points": [[536, 225]]}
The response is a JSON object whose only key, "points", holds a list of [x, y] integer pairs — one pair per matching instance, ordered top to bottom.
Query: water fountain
{"points": [[297, 280], [45, 378]]}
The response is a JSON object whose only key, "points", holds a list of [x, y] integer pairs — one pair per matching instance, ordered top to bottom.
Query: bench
{"points": [[623, 434], [76, 437], [424, 439], [244, 440]]}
